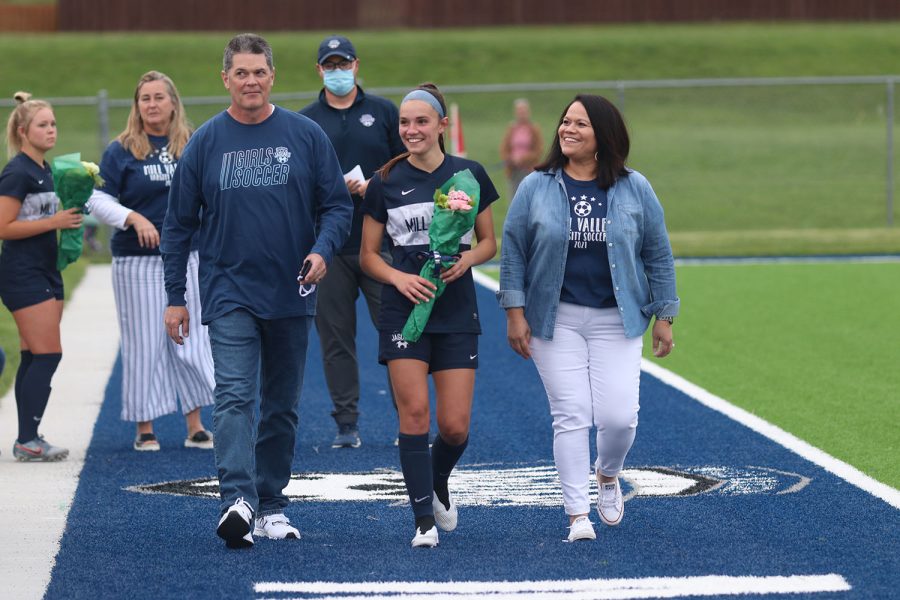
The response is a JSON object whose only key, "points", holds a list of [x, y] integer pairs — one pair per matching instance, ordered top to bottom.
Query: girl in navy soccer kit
{"points": [[400, 202], [31, 287]]}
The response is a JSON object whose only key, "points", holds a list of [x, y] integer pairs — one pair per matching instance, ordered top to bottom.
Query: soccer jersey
{"points": [[365, 134], [32, 185], [141, 185], [263, 196], [404, 202], [588, 280]]}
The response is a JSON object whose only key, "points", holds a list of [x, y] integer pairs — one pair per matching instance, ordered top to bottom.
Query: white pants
{"points": [[156, 372], [591, 373]]}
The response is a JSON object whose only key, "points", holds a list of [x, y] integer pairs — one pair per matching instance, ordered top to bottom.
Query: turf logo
{"points": [[515, 486]]}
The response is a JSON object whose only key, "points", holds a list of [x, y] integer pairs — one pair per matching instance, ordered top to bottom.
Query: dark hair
{"points": [[247, 43], [434, 91], [611, 135]]}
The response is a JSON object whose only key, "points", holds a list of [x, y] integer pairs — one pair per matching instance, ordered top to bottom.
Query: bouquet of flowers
{"points": [[74, 181], [455, 209]]}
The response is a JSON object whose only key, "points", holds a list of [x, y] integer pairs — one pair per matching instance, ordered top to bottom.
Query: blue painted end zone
{"points": [[121, 543]]}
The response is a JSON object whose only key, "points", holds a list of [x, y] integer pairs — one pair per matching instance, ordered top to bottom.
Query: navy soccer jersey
{"points": [[365, 134], [32, 185], [141, 185], [404, 202], [588, 280]]}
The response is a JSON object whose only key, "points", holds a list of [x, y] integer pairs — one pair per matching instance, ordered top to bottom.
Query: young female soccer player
{"points": [[400, 202], [31, 287]]}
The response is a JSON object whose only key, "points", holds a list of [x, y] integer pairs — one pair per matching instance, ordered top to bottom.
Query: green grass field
{"points": [[740, 171]]}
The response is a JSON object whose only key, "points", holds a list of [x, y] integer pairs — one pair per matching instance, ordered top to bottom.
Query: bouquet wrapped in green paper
{"points": [[73, 181], [455, 210]]}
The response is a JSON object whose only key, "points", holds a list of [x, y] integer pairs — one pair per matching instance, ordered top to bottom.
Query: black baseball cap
{"points": [[336, 45]]}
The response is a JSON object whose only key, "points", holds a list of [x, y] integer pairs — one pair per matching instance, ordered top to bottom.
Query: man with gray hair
{"points": [[263, 189]]}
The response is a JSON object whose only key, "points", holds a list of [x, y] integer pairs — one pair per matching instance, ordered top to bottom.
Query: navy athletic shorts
{"points": [[42, 287], [441, 351]]}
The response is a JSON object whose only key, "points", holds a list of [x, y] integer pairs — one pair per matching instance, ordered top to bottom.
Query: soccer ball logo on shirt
{"points": [[367, 120], [282, 154]]}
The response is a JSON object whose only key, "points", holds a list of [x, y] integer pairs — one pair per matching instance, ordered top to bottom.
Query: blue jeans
{"points": [[253, 358]]}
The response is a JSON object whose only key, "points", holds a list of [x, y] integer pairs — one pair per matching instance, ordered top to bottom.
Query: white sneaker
{"points": [[610, 506], [445, 519], [234, 526], [276, 527], [581, 529], [427, 539]]}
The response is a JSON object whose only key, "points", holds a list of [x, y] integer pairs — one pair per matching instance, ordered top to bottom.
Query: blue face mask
{"points": [[340, 83]]}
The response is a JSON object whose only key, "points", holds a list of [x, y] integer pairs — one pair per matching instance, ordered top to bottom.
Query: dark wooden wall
{"points": [[272, 15], [344, 15]]}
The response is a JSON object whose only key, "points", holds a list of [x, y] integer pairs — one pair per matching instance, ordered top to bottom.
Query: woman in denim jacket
{"points": [[585, 263]]}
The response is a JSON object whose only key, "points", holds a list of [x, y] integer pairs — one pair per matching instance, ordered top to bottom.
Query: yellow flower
{"points": [[94, 171]]}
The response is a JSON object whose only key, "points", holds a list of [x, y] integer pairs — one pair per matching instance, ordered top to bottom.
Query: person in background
{"points": [[363, 130], [521, 147], [137, 169], [264, 188], [402, 192], [585, 265], [31, 286]]}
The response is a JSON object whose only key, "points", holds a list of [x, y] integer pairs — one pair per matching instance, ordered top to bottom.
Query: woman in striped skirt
{"points": [[137, 168]]}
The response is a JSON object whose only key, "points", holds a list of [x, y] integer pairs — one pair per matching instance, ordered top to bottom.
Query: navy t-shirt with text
{"points": [[141, 185], [405, 204], [588, 280]]}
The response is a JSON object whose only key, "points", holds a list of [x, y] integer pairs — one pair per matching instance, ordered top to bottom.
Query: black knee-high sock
{"points": [[24, 363], [35, 391], [443, 458], [415, 463]]}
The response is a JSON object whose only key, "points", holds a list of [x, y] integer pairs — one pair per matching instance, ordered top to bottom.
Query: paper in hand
{"points": [[355, 174]]}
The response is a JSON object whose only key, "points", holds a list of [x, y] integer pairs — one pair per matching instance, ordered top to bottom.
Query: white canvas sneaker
{"points": [[610, 505], [445, 519], [234, 526], [276, 527], [581, 529], [425, 539]]}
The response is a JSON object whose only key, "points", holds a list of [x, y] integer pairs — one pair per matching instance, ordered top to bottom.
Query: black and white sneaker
{"points": [[235, 525]]}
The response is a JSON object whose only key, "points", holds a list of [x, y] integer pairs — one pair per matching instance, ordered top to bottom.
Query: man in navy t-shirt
{"points": [[364, 130], [264, 188]]}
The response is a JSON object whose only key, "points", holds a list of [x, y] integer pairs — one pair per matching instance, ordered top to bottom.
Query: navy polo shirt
{"points": [[365, 134], [404, 202], [588, 279]]}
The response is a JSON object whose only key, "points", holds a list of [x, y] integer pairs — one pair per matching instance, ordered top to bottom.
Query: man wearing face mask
{"points": [[364, 130]]}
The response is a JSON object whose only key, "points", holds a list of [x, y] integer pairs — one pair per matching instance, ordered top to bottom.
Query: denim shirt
{"points": [[536, 241]]}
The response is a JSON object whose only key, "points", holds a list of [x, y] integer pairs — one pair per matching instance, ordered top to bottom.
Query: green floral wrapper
{"points": [[73, 181], [446, 229]]}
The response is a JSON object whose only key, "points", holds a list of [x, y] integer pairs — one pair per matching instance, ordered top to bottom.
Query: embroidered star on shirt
{"points": [[584, 197], [574, 198]]}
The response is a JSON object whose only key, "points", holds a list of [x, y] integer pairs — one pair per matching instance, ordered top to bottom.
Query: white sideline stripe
{"points": [[90, 341], [806, 450], [838, 467], [574, 589]]}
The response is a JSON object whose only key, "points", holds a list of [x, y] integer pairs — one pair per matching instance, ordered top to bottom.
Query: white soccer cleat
{"points": [[610, 505], [445, 518], [276, 527], [581, 529], [425, 539]]}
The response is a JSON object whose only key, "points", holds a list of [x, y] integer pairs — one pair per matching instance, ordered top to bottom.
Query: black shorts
{"points": [[42, 287], [441, 351]]}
